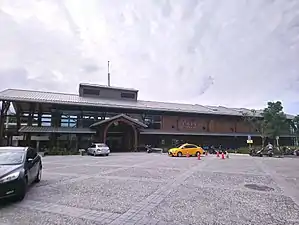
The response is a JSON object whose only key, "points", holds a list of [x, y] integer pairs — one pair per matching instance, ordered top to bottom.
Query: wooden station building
{"points": [[117, 117]]}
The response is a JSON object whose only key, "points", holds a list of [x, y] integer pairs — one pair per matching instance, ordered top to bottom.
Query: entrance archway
{"points": [[120, 136]]}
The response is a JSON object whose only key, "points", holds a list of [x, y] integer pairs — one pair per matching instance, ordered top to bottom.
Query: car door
{"points": [[91, 149], [191, 149], [186, 150], [36, 163], [32, 164], [29, 165]]}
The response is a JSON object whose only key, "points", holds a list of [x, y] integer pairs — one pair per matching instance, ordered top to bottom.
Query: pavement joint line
{"points": [[234, 173], [85, 177], [133, 178], [280, 181], [277, 193], [146, 203], [67, 210], [139, 212], [89, 214]]}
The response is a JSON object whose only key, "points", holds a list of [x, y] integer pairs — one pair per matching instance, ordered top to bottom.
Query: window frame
{"points": [[91, 92], [128, 95], [193, 146], [31, 153]]}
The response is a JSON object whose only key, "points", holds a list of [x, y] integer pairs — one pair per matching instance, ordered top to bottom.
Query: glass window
{"points": [[91, 92], [128, 95], [157, 118], [153, 121], [156, 126], [101, 145], [92, 146], [190, 146], [34, 152], [31, 153], [11, 157]]}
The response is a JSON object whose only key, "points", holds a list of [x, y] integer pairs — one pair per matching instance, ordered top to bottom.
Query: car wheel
{"points": [[107, 154], [179, 154], [39, 176], [23, 191]]}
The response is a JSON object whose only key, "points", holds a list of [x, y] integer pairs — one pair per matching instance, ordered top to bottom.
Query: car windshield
{"points": [[11, 158]]}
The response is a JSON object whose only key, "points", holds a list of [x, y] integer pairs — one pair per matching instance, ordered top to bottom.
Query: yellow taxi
{"points": [[183, 150]]}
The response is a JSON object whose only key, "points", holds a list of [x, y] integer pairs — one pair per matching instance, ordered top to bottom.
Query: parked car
{"points": [[98, 149], [150, 149], [183, 150], [19, 168]]}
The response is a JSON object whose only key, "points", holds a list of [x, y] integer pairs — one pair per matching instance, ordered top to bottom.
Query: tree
{"points": [[275, 120], [256, 123], [295, 126]]}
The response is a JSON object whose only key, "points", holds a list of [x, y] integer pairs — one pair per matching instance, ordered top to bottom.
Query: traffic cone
{"points": [[217, 153], [222, 155], [198, 156]]}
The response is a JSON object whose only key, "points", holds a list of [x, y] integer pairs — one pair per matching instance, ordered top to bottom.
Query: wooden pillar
{"points": [[3, 113], [39, 116], [18, 117], [80, 120], [29, 123], [135, 138]]}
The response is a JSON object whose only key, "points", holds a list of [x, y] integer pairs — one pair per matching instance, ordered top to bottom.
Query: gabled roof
{"points": [[73, 99], [134, 121]]}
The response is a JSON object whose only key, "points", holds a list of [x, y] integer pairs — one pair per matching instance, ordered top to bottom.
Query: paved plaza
{"points": [[141, 188]]}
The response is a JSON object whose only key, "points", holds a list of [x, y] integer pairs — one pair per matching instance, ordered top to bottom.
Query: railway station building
{"points": [[116, 116]]}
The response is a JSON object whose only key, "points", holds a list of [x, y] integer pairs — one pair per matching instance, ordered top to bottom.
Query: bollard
{"points": [[217, 153], [188, 155], [198, 156]]}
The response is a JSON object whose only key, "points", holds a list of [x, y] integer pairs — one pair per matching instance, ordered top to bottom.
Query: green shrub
{"points": [[243, 150], [61, 151]]}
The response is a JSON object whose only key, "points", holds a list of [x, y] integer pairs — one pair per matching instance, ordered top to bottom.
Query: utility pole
{"points": [[108, 73]]}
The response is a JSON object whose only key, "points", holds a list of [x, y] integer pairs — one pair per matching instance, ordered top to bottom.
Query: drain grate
{"points": [[259, 187]]}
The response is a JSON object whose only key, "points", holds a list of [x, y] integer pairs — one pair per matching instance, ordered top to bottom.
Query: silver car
{"points": [[98, 149]]}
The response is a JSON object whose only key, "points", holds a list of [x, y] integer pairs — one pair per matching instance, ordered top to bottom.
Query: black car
{"points": [[19, 167]]}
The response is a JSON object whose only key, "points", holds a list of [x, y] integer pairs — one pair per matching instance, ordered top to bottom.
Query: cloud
{"points": [[235, 53]]}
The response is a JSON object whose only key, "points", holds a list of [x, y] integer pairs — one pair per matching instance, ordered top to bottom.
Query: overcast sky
{"points": [[238, 53]]}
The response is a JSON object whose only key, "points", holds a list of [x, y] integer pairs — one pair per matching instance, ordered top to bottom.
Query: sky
{"points": [[234, 53]]}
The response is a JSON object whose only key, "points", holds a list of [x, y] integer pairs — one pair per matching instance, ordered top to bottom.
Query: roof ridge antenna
{"points": [[108, 73]]}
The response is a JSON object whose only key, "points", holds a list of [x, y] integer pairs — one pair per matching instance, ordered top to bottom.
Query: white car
{"points": [[98, 149]]}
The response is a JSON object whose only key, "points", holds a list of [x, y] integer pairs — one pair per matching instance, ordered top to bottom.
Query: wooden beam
{"points": [[3, 113], [18, 115], [39, 115], [29, 122]]}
